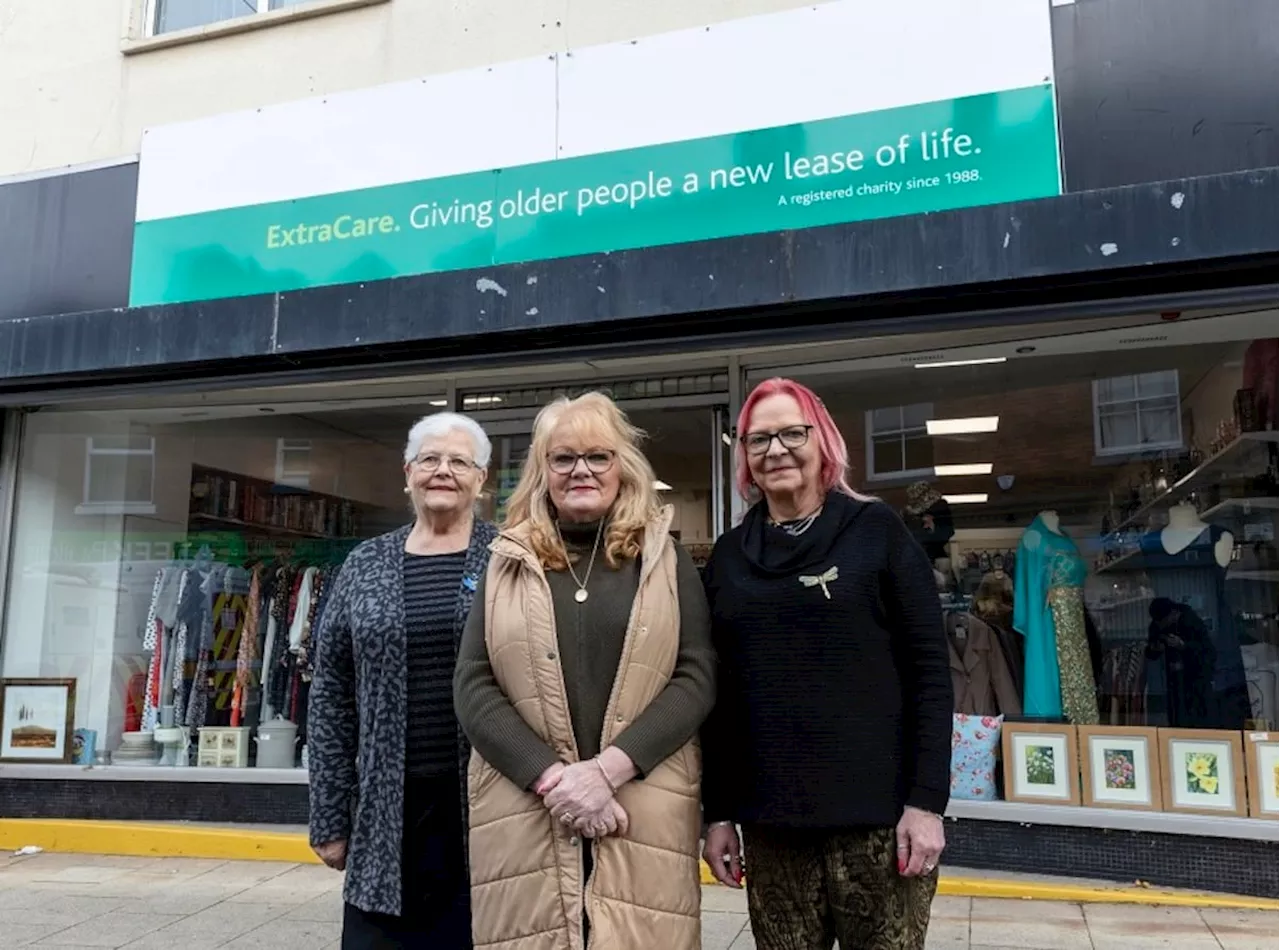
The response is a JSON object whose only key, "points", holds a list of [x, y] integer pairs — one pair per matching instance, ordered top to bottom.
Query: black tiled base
{"points": [[250, 803], [1227, 865]]}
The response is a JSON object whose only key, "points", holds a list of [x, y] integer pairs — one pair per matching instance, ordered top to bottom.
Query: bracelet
{"points": [[608, 781], [717, 824]]}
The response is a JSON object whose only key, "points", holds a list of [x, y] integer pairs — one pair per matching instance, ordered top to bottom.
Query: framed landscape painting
{"points": [[36, 719], [1040, 764], [1262, 766], [1120, 767], [1203, 771]]}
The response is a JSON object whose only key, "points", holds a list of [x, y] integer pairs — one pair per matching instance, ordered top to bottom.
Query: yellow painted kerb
{"points": [[161, 841], [244, 844]]}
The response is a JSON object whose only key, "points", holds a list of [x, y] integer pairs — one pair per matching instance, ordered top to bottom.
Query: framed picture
{"points": [[36, 719], [1040, 763], [1120, 766], [1262, 767], [1203, 771]]}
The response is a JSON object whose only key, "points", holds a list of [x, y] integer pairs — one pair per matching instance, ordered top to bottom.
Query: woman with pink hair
{"points": [[830, 742]]}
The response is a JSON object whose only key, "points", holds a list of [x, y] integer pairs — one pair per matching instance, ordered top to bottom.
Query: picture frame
{"points": [[37, 720], [1040, 763], [1120, 767], [1203, 771], [1262, 772]]}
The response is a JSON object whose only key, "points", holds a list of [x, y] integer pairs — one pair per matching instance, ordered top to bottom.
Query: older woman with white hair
{"points": [[585, 671], [387, 758]]}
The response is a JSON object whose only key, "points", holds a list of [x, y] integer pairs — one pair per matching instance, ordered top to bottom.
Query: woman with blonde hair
{"points": [[584, 675]]}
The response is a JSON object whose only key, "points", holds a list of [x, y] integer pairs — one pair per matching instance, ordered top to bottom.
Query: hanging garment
{"points": [[1048, 610], [1075, 663], [1208, 671], [980, 677]]}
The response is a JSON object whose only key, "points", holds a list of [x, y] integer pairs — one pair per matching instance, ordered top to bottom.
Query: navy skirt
{"points": [[435, 900]]}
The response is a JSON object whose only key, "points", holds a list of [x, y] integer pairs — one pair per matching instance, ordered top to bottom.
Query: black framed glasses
{"points": [[792, 437], [563, 462], [458, 464]]}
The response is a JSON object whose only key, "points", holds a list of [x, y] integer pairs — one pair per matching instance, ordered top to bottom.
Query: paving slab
{"points": [[66, 901]]}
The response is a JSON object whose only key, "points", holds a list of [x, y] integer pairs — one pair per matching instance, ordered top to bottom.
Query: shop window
{"points": [[171, 15], [1136, 413], [898, 442], [293, 462], [119, 475]]}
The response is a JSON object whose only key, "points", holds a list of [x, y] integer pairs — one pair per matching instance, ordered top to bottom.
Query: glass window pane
{"points": [[187, 14], [1162, 383], [1116, 388], [914, 417], [886, 420], [1160, 426], [1119, 429], [918, 453], [887, 454]]}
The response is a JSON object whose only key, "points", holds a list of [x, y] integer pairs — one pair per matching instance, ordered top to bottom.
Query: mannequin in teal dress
{"points": [[1048, 610]]}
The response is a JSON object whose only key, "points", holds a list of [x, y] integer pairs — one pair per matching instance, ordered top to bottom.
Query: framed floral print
{"points": [[36, 719], [1040, 763], [1120, 767], [1262, 768], [1203, 771]]}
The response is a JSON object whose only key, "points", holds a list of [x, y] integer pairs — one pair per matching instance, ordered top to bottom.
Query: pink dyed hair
{"points": [[832, 449]]}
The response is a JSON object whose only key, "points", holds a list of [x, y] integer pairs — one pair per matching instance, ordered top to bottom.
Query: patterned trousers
{"points": [[807, 889]]}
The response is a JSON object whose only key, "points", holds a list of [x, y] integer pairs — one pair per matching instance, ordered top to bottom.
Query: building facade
{"points": [[1025, 252]]}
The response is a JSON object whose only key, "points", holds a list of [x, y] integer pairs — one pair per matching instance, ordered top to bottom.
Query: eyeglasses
{"points": [[792, 437], [598, 461], [458, 465]]}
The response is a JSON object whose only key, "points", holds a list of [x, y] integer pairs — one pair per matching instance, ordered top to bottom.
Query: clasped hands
{"points": [[582, 795]]}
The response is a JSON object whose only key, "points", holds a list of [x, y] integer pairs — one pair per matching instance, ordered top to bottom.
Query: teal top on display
{"points": [[1046, 559]]}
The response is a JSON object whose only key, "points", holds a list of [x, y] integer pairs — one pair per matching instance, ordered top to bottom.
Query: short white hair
{"points": [[442, 423]]}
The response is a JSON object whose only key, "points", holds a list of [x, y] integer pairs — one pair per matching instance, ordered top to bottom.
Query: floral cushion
{"points": [[975, 743]]}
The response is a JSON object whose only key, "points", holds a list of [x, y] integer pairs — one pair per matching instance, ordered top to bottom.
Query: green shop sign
{"points": [[935, 156]]}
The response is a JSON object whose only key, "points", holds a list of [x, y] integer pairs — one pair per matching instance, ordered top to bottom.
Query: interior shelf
{"points": [[1240, 455]]}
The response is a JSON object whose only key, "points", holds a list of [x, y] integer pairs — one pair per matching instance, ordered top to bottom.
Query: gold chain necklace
{"points": [[582, 595]]}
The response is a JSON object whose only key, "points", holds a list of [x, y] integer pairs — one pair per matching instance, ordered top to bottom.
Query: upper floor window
{"points": [[167, 16], [1137, 413], [898, 441], [293, 462], [119, 475]]}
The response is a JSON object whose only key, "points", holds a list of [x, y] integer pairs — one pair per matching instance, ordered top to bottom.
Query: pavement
{"points": [[80, 900]]}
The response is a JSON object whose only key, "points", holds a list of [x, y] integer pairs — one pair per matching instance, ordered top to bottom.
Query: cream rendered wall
{"points": [[75, 88]]}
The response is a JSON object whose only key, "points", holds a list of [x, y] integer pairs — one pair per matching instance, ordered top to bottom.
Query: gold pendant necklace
{"points": [[581, 595]]}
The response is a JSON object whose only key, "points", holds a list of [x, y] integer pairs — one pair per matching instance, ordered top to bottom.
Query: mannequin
{"points": [[1185, 527], [1185, 563], [1048, 610]]}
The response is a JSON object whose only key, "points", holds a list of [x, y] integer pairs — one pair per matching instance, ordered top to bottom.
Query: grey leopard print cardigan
{"points": [[356, 713]]}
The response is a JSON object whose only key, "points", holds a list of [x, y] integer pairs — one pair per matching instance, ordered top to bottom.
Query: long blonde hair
{"points": [[591, 416]]}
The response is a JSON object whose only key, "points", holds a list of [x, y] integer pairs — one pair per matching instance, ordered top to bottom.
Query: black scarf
{"points": [[771, 550]]}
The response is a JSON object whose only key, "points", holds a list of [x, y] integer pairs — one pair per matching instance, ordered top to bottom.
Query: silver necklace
{"points": [[799, 526], [582, 595]]}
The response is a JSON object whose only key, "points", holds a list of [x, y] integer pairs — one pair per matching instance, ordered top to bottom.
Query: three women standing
{"points": [[585, 673], [830, 742], [386, 754]]}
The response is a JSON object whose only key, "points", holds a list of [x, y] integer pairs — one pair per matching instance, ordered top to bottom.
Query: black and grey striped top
{"points": [[431, 588]]}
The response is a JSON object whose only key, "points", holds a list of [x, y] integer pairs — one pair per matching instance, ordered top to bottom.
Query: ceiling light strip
{"points": [[962, 426]]}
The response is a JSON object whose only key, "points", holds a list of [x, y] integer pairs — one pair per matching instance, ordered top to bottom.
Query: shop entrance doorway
{"points": [[688, 446]]}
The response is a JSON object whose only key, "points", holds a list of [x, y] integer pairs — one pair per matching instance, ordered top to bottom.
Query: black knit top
{"points": [[431, 585], [834, 701]]}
